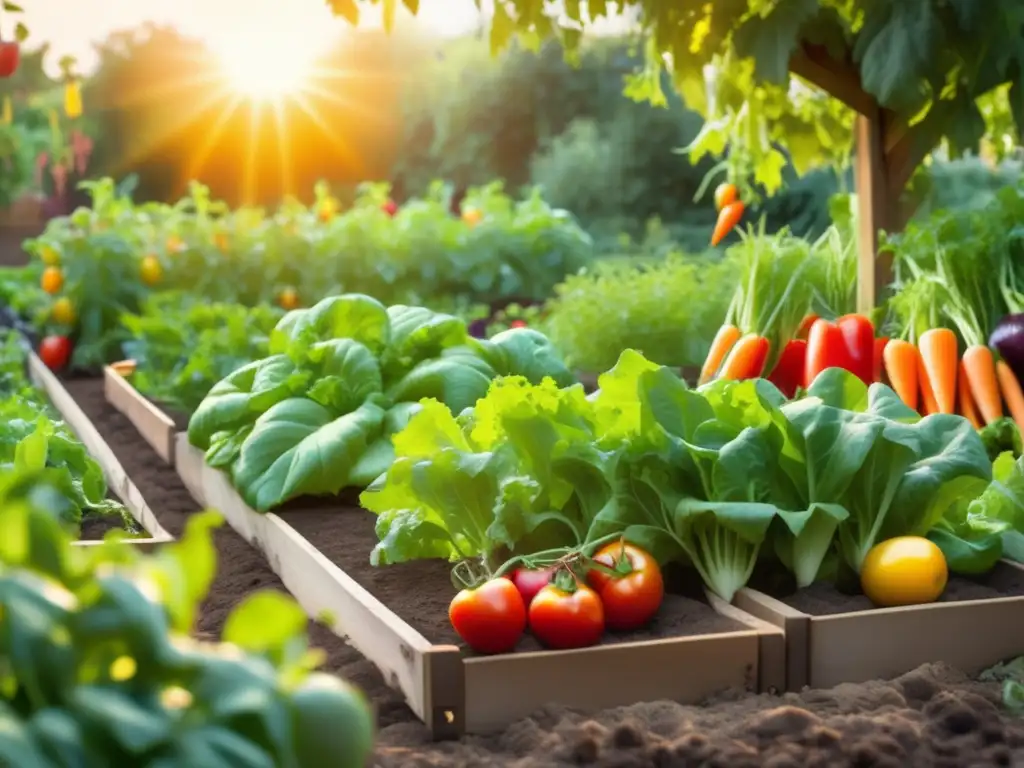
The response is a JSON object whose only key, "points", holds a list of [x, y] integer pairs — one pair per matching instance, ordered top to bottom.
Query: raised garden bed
{"points": [[155, 426], [118, 482], [396, 616], [834, 638], [932, 716]]}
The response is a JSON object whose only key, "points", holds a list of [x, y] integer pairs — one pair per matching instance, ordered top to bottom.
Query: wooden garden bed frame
{"points": [[888, 152], [155, 427], [117, 479], [881, 643], [454, 694]]}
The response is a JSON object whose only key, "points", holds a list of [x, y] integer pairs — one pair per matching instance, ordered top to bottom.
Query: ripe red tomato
{"points": [[10, 55], [725, 194], [390, 207], [517, 324], [55, 351], [530, 582], [632, 598], [490, 618], [563, 619]]}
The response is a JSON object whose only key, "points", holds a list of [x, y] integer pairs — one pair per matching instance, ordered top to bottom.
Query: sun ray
{"points": [[314, 90], [145, 145], [284, 149], [347, 154], [198, 159], [249, 184]]}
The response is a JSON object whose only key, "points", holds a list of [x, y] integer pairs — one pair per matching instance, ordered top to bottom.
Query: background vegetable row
{"points": [[33, 438]]}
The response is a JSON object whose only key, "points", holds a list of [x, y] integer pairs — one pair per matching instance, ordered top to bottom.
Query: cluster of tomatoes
{"points": [[565, 606]]}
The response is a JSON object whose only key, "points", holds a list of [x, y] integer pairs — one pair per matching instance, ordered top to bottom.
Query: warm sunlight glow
{"points": [[266, 69]]}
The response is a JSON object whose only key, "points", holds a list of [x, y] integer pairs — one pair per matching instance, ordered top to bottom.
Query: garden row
{"points": [[759, 521], [100, 603]]}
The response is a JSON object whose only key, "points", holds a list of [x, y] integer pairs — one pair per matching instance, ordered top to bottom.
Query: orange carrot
{"points": [[725, 194], [728, 218], [724, 341], [881, 342], [938, 347], [746, 359], [902, 363], [979, 367], [963, 386], [1012, 392], [928, 404]]}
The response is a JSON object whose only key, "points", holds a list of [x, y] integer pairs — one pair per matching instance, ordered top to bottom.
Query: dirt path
{"points": [[933, 717]]}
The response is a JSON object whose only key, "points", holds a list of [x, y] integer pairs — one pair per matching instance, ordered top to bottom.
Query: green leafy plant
{"points": [[668, 309], [183, 346], [342, 378], [34, 439], [717, 478], [96, 668]]}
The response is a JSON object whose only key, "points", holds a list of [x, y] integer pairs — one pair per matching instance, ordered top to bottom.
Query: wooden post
{"points": [[876, 203]]}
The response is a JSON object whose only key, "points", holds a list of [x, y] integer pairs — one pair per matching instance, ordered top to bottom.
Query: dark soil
{"points": [[241, 569], [419, 592], [823, 599], [933, 717]]}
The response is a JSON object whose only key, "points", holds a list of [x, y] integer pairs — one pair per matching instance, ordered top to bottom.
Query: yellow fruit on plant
{"points": [[326, 210], [472, 216], [175, 244], [49, 256], [150, 270], [53, 280], [288, 299], [63, 311], [906, 570]]}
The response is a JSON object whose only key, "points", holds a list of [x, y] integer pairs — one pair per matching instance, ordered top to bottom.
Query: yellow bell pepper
{"points": [[73, 99]]}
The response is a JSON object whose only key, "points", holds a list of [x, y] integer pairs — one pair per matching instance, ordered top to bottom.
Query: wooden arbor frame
{"points": [[888, 152]]}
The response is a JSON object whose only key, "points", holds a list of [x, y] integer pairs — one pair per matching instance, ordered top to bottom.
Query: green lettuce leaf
{"points": [[299, 447]]}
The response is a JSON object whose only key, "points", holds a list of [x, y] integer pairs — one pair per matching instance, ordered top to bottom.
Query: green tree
{"points": [[916, 72]]}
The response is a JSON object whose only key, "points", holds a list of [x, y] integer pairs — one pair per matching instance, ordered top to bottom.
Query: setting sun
{"points": [[266, 70]]}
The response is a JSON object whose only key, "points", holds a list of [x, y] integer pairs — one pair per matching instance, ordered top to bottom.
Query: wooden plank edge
{"points": [[155, 427], [116, 477], [146, 545], [330, 595], [796, 629], [771, 654], [505, 688]]}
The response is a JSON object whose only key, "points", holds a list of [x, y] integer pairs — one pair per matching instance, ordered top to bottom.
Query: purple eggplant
{"points": [[1008, 340]]}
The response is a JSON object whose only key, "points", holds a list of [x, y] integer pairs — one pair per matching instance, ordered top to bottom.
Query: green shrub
{"points": [[668, 309]]}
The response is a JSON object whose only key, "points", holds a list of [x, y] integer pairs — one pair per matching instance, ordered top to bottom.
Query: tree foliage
{"points": [[928, 62]]}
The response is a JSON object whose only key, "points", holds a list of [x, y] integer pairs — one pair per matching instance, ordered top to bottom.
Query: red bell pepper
{"points": [[805, 326], [848, 343], [880, 343], [788, 374]]}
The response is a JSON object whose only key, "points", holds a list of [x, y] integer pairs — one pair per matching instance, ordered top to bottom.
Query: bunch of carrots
{"points": [[770, 330], [932, 377]]}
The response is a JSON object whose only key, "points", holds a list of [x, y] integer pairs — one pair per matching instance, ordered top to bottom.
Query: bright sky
{"points": [[71, 26]]}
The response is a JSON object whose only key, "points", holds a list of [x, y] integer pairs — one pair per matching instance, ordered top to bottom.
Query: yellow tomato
{"points": [[326, 210], [472, 216], [49, 255], [150, 270], [53, 280], [288, 299], [63, 311], [906, 570]]}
